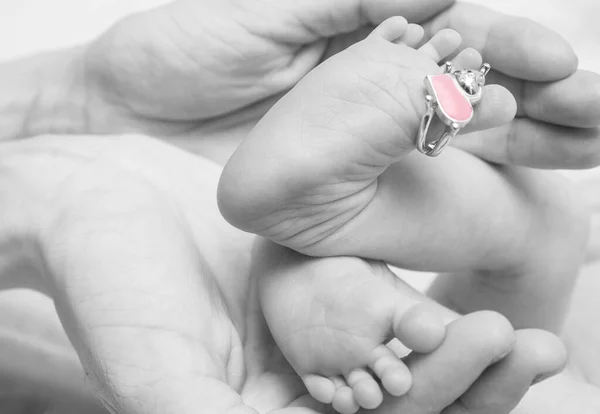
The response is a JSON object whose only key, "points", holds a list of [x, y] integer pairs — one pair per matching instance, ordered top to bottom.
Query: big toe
{"points": [[420, 329]]}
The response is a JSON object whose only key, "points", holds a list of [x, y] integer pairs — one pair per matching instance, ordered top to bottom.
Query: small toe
{"points": [[392, 28], [413, 36], [441, 45], [468, 58], [421, 328], [393, 373], [396, 379], [320, 388], [367, 392], [343, 401]]}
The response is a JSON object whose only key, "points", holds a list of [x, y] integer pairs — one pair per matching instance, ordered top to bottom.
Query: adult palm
{"points": [[195, 59], [150, 283]]}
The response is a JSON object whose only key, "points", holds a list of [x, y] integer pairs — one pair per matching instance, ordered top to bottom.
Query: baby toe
{"points": [[392, 28], [413, 36], [441, 45], [467, 58], [421, 328], [395, 376], [396, 379], [320, 388], [367, 393], [343, 401]]}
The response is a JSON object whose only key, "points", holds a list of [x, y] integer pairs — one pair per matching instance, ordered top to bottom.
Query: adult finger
{"points": [[334, 17], [354, 19], [516, 46], [573, 102], [556, 124], [535, 144], [139, 303], [472, 343], [535, 356], [37, 360]]}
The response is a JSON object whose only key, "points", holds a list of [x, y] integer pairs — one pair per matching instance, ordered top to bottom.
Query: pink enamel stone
{"points": [[450, 99]]}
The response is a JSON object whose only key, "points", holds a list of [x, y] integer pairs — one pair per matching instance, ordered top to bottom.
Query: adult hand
{"points": [[210, 59], [191, 60], [167, 69], [557, 123], [125, 235], [150, 283]]}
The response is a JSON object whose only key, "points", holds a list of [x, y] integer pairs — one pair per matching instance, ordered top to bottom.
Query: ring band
{"points": [[451, 96]]}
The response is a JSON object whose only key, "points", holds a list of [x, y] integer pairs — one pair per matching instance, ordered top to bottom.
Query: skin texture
{"points": [[230, 53], [169, 70], [113, 84], [540, 136], [554, 146], [330, 163], [290, 180], [589, 188], [301, 190], [127, 218], [106, 245], [320, 310], [355, 330], [554, 396]]}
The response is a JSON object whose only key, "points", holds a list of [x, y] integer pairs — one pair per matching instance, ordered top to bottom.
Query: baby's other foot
{"points": [[312, 164], [332, 316], [333, 328]]}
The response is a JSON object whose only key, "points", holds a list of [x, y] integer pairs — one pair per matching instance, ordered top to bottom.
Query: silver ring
{"points": [[451, 96]]}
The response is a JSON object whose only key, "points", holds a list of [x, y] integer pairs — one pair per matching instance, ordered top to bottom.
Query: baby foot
{"points": [[313, 163], [331, 318], [333, 328]]}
